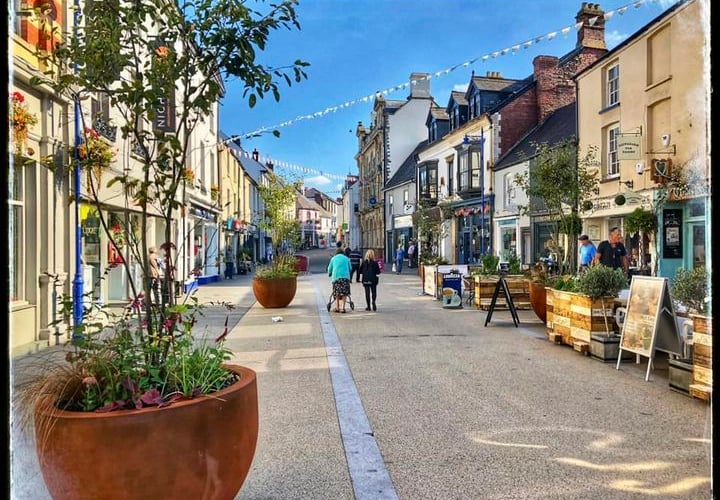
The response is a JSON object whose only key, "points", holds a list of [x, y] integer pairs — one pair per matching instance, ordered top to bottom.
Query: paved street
{"points": [[419, 402]]}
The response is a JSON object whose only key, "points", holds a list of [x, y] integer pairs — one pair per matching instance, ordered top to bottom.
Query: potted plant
{"points": [[643, 223], [539, 280], [275, 283], [690, 289], [594, 321], [140, 407]]}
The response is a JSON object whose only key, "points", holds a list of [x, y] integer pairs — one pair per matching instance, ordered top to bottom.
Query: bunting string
{"points": [[512, 49]]}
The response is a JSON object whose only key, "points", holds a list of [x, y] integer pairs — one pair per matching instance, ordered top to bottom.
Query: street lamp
{"points": [[78, 282]]}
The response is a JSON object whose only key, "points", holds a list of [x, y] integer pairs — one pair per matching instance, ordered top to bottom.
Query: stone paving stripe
{"points": [[370, 478]]}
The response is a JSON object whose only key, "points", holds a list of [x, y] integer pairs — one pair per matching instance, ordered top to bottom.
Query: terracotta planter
{"points": [[276, 292], [538, 299], [198, 448]]}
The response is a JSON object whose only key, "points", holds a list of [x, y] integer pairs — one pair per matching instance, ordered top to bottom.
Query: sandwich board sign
{"points": [[650, 324]]}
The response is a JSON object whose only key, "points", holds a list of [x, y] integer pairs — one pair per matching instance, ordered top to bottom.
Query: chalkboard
{"points": [[650, 322]]}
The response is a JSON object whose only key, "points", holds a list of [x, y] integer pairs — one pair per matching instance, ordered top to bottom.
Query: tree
{"points": [[147, 56], [556, 183], [278, 195]]}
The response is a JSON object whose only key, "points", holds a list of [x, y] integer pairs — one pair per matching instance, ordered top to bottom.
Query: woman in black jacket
{"points": [[369, 270]]}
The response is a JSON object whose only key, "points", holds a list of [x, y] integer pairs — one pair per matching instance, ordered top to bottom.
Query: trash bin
{"points": [[301, 263]]}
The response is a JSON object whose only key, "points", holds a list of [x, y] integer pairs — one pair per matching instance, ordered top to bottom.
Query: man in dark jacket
{"points": [[355, 258]]}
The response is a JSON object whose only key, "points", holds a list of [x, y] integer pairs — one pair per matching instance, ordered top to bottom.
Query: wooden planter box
{"points": [[519, 291], [575, 317], [680, 374], [701, 386]]}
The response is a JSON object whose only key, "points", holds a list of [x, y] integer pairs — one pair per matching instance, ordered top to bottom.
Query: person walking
{"points": [[587, 252], [611, 252], [412, 254], [399, 256], [355, 258], [229, 262], [369, 269], [339, 271], [155, 274]]}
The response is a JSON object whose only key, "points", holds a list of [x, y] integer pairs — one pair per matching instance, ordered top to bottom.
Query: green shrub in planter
{"points": [[601, 281], [566, 283], [689, 287]]}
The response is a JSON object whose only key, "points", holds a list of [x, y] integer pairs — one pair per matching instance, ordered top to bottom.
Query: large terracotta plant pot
{"points": [[275, 292], [538, 299], [196, 448]]}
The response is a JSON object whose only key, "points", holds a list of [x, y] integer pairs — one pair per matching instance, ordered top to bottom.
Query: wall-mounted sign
{"points": [[628, 147], [660, 170], [372, 200], [408, 208]]}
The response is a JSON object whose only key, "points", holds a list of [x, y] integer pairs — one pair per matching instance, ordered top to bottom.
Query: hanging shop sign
{"points": [[628, 147], [202, 213]]}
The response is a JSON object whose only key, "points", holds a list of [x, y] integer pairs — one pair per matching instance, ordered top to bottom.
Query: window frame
{"points": [[612, 85], [612, 162], [18, 264]]}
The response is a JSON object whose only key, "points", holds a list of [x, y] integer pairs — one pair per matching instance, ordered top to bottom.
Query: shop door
{"points": [[697, 230]]}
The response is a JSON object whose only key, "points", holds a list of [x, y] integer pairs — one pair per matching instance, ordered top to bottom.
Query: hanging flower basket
{"points": [[21, 120], [95, 154], [188, 175]]}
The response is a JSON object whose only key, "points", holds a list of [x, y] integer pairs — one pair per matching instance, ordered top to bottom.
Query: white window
{"points": [[613, 85], [613, 163], [510, 190], [391, 204], [17, 231]]}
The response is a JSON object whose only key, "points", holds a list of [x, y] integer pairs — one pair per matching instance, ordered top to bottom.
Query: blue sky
{"points": [[358, 47]]}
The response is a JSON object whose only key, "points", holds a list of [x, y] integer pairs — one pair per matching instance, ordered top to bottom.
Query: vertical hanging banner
{"points": [[164, 120]]}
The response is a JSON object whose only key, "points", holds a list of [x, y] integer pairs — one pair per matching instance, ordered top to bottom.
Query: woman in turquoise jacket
{"points": [[339, 271]]}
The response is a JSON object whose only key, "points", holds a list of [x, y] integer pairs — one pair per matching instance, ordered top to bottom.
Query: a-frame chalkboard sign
{"points": [[502, 285], [650, 324]]}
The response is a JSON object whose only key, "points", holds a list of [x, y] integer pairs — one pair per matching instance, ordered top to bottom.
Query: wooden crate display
{"points": [[485, 288], [576, 317], [702, 357]]}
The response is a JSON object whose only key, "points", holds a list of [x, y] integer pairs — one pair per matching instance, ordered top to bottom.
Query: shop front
{"points": [[473, 223], [401, 234], [683, 238]]}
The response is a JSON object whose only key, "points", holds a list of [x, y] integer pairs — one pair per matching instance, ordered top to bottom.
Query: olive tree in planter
{"points": [[558, 183], [643, 223], [275, 283], [598, 287], [691, 289], [143, 409]]}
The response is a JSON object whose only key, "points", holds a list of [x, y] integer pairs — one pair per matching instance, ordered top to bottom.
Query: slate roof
{"points": [[496, 84], [458, 97], [439, 113], [560, 125], [407, 170], [307, 204]]}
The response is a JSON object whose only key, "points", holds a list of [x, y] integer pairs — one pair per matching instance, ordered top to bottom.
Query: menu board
{"points": [[650, 322]]}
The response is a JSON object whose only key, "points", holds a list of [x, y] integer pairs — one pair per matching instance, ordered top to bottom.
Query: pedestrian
{"points": [[587, 252], [611, 252], [412, 254], [399, 256], [355, 258], [229, 262], [339, 271], [370, 271], [155, 273]]}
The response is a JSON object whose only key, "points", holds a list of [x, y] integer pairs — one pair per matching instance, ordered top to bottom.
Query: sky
{"points": [[358, 47]]}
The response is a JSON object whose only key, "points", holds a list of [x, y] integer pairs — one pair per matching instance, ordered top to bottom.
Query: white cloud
{"points": [[614, 37], [460, 87], [319, 180]]}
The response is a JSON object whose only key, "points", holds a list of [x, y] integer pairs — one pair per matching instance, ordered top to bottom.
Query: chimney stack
{"points": [[592, 32], [493, 74], [421, 86], [255, 154]]}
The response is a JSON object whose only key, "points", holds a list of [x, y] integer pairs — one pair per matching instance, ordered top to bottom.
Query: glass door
{"points": [[697, 230]]}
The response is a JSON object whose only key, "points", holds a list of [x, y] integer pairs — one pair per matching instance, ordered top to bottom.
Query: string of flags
{"points": [[512, 49], [287, 165]]}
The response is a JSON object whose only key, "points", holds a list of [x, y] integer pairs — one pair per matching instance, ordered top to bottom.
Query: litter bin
{"points": [[301, 263]]}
